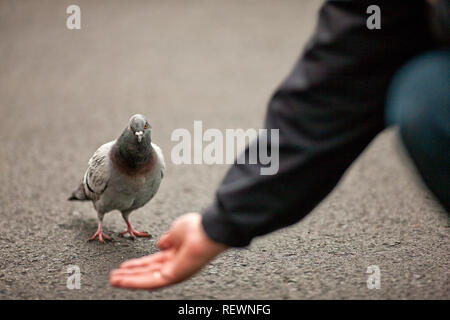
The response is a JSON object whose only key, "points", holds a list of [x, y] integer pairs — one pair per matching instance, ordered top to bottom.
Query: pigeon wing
{"points": [[160, 157], [99, 169]]}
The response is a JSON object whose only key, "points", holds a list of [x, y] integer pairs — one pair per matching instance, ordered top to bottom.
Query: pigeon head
{"points": [[140, 127], [134, 145]]}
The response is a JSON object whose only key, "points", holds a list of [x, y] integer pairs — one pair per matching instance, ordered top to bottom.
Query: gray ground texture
{"points": [[63, 93]]}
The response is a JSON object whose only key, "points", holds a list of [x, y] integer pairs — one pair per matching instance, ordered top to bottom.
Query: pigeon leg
{"points": [[100, 233], [133, 233]]}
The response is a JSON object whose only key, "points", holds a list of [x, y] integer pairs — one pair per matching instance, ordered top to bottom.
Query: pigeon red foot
{"points": [[133, 233], [100, 234]]}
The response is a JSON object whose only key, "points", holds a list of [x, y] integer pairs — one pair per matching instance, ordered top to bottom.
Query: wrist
{"points": [[216, 246]]}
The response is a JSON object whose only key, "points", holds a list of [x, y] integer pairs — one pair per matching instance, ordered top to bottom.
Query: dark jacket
{"points": [[327, 111]]}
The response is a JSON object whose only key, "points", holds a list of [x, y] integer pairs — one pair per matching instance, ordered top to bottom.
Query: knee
{"points": [[419, 101]]}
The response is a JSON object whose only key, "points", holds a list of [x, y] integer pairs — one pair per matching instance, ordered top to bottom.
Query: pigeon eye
{"points": [[146, 126], [131, 128]]}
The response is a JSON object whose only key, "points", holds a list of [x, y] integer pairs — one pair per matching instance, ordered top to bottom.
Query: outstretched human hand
{"points": [[186, 248]]}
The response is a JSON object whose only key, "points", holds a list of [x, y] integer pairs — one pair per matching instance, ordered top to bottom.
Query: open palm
{"points": [[185, 249]]}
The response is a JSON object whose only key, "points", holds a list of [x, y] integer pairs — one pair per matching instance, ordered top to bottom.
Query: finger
{"points": [[141, 262], [137, 270], [149, 281]]}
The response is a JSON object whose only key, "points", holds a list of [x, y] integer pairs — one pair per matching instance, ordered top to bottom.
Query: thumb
{"points": [[174, 236], [170, 239], [164, 241]]}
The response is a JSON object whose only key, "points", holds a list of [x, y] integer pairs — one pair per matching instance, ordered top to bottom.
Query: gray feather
{"points": [[98, 172]]}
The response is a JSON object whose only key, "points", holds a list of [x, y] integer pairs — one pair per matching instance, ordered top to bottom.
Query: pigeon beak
{"points": [[139, 135]]}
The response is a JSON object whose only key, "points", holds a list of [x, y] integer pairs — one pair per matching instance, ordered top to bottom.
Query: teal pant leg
{"points": [[418, 102]]}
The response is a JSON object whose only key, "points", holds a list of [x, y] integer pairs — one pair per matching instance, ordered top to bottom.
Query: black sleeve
{"points": [[440, 21], [327, 111]]}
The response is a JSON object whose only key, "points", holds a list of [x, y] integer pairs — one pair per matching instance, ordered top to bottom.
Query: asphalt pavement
{"points": [[65, 92]]}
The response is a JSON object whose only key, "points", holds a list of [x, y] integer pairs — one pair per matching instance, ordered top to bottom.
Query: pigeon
{"points": [[123, 175]]}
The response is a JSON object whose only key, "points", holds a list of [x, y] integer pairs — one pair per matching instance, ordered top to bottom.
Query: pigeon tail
{"points": [[79, 194]]}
